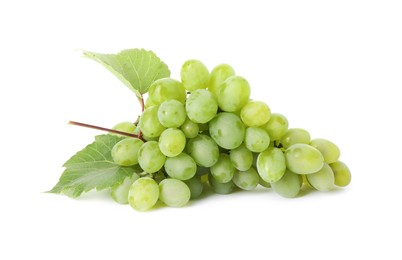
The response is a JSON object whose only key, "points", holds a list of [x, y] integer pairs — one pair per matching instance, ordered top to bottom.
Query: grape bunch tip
{"points": [[201, 131]]}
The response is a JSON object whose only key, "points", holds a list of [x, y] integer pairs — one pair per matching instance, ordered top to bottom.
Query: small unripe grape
{"points": [[190, 129]]}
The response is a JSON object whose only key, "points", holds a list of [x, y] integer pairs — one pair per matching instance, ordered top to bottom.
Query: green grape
{"points": [[194, 75], [218, 75], [166, 89], [234, 94], [149, 103], [201, 106], [171, 113], [255, 113], [149, 122], [276, 126], [126, 127], [190, 129], [227, 130], [295, 136], [256, 139], [172, 142], [204, 150], [329, 150], [125, 152], [150, 157], [241, 157], [303, 159], [271, 164], [181, 167], [223, 170], [341, 173], [246, 180], [323, 180], [264, 183], [289, 185], [196, 187], [220, 188], [120, 191], [174, 193], [143, 194]]}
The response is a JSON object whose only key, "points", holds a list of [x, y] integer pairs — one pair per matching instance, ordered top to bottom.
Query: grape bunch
{"points": [[205, 130]]}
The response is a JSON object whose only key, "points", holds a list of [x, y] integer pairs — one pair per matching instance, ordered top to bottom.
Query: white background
{"points": [[332, 67]]}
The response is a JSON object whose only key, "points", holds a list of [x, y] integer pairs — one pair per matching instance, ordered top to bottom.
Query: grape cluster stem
{"points": [[103, 129]]}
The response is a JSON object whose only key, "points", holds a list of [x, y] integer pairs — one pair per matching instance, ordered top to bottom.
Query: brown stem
{"points": [[142, 103], [103, 129]]}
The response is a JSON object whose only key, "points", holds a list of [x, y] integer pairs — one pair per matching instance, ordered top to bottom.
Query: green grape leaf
{"points": [[136, 68], [92, 168]]}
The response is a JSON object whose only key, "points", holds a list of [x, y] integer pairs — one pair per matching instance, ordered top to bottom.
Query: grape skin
{"points": [[194, 75], [218, 75], [166, 89], [234, 94], [201, 106], [171, 113], [255, 113], [149, 123], [276, 126], [190, 129], [227, 130], [295, 136], [256, 139], [172, 142], [203, 150], [329, 150], [125, 152], [150, 157], [241, 157], [303, 159], [271, 164], [181, 167], [223, 170], [342, 174], [246, 180], [323, 180], [289, 185], [196, 187], [220, 188], [174, 193], [143, 194]]}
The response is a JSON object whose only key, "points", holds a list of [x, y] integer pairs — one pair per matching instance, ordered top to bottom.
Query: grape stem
{"points": [[141, 100], [142, 104], [104, 129]]}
